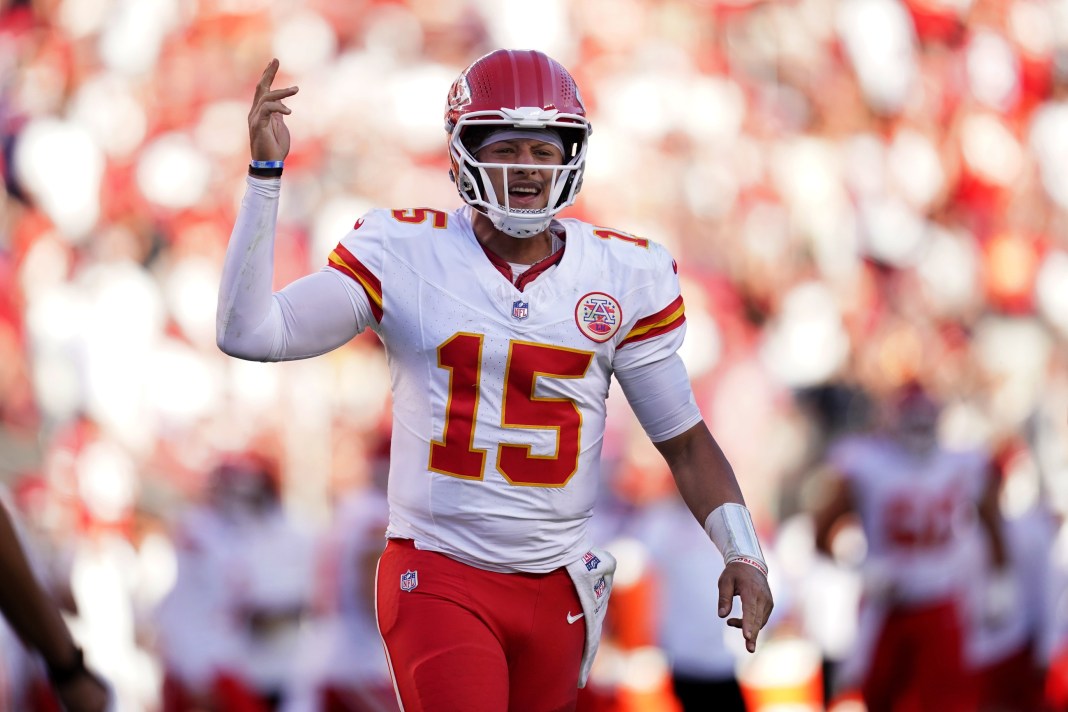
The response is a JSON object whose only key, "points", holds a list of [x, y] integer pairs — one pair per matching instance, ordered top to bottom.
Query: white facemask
{"points": [[473, 179]]}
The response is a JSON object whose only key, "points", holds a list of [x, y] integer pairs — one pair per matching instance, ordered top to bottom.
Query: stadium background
{"points": [[858, 192]]}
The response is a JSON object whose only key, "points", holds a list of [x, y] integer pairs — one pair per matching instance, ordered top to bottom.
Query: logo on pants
{"points": [[409, 580]]}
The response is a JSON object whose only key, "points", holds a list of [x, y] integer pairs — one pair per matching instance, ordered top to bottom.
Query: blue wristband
{"points": [[266, 164]]}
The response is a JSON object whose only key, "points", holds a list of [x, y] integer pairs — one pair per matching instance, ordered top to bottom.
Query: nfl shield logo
{"points": [[520, 309], [591, 560], [409, 580]]}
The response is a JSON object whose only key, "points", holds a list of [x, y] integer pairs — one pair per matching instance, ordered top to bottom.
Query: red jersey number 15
{"points": [[456, 455]]}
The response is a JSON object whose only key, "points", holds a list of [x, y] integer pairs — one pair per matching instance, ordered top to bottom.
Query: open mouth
{"points": [[525, 195]]}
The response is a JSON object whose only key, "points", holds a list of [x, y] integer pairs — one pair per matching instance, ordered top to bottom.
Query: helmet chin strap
{"points": [[517, 222], [519, 226]]}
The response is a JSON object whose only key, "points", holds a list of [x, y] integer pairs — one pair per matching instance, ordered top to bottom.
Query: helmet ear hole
{"points": [[466, 184], [469, 185]]}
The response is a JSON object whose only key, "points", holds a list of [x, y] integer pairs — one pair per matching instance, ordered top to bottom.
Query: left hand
{"points": [[751, 585], [84, 693]]}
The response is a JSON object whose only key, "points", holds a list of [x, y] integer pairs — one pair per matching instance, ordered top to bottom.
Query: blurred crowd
{"points": [[860, 194]]}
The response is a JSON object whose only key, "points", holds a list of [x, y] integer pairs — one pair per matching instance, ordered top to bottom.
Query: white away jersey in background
{"points": [[499, 394], [918, 513]]}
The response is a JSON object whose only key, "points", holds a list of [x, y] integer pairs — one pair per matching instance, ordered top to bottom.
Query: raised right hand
{"points": [[267, 131]]}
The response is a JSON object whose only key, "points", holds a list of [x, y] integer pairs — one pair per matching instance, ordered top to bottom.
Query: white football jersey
{"points": [[499, 389], [917, 512]]}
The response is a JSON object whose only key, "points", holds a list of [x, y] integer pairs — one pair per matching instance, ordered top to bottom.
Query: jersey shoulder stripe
{"points": [[345, 262], [667, 319]]}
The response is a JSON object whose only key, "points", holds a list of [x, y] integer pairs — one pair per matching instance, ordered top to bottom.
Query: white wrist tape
{"points": [[730, 527]]}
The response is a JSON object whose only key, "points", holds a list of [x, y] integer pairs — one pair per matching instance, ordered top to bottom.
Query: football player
{"points": [[503, 326], [920, 506]]}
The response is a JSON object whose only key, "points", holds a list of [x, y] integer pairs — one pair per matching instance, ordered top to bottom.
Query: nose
{"points": [[525, 157], [527, 162]]}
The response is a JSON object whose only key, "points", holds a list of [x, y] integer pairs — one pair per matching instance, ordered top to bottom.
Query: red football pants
{"points": [[461, 639], [918, 665], [1014, 684]]}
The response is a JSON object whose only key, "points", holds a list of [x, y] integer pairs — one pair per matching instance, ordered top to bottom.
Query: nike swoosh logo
{"points": [[572, 619]]}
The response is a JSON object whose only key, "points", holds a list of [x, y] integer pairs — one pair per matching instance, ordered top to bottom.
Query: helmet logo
{"points": [[460, 94], [598, 316]]}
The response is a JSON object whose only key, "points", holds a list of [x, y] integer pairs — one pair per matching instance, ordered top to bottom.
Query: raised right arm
{"points": [[313, 315]]}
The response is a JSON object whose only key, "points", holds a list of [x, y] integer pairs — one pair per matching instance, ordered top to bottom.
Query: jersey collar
{"points": [[535, 269]]}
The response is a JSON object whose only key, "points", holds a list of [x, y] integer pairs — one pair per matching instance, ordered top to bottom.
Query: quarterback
{"points": [[503, 326]]}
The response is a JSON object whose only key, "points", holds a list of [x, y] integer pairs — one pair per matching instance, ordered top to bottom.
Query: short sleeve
{"points": [[360, 256], [660, 327]]}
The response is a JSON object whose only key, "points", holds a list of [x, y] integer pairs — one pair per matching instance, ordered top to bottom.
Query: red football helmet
{"points": [[519, 89], [915, 413], [244, 483]]}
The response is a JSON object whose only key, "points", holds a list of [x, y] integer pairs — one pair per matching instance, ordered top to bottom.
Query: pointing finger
{"points": [[267, 78]]}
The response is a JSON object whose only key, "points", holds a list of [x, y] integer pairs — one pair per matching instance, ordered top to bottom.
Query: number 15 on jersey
{"points": [[456, 455]]}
